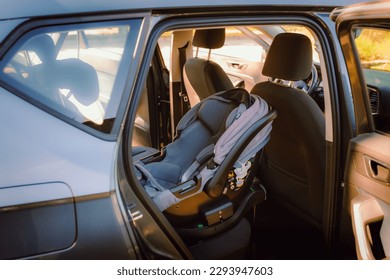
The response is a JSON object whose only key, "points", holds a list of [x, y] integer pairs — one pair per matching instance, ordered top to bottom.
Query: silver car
{"points": [[96, 163]]}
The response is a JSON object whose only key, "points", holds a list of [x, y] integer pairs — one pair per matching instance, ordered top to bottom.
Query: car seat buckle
{"points": [[187, 188]]}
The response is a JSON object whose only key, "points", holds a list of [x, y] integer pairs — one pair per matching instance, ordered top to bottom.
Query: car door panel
{"points": [[241, 69], [371, 158], [367, 173], [367, 178], [58, 194], [40, 218]]}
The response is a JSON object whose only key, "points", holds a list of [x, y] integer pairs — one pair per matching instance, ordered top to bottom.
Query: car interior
{"points": [[203, 77], [229, 139], [216, 144], [283, 190]]}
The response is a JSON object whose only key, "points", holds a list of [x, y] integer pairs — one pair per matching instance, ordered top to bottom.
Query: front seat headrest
{"points": [[209, 38], [289, 57]]}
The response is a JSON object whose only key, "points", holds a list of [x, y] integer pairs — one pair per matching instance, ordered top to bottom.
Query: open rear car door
{"points": [[364, 33]]}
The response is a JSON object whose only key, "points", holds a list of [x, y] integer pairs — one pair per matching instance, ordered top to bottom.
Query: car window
{"points": [[238, 45], [372, 45], [165, 46], [241, 56], [72, 70]]}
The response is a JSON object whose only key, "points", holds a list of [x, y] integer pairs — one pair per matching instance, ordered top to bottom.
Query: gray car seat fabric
{"points": [[203, 77], [206, 135], [293, 163]]}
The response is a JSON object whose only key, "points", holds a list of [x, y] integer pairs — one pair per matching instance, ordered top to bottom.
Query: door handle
{"points": [[236, 65], [379, 171], [365, 210]]}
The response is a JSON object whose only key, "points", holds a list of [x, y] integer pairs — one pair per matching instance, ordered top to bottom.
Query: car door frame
{"points": [[334, 114], [366, 201], [80, 211]]}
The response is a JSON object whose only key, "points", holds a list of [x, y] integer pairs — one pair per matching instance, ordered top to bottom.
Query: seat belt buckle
{"points": [[184, 96], [188, 188]]}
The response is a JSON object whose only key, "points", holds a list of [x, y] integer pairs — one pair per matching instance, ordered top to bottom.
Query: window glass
{"points": [[237, 45], [372, 45], [165, 46], [241, 56], [72, 70]]}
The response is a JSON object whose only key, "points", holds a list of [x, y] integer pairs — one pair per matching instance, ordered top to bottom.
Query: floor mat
{"points": [[279, 234]]}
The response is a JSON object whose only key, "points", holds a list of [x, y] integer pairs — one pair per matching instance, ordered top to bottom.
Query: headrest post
{"points": [[197, 52], [208, 56]]}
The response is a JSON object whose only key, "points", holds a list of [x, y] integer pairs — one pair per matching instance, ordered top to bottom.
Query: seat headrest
{"points": [[209, 38], [43, 46], [289, 57], [80, 78]]}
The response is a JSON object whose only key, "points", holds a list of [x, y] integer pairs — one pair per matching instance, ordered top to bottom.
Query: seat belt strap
{"points": [[183, 94], [201, 159]]}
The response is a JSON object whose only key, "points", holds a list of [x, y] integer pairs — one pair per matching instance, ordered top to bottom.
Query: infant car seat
{"points": [[201, 181]]}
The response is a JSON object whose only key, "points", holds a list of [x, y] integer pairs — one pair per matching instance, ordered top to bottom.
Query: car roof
{"points": [[12, 9]]}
